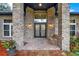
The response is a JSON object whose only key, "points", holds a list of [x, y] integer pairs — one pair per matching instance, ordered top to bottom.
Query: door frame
{"points": [[40, 30]]}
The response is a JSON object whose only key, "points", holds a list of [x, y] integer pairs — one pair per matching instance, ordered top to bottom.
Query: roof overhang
{"points": [[36, 6], [5, 13], [74, 13]]}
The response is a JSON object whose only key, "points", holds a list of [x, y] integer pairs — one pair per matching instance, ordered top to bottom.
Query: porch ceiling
{"points": [[44, 6]]}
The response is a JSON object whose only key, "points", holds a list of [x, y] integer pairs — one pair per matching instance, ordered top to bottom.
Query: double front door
{"points": [[40, 30]]}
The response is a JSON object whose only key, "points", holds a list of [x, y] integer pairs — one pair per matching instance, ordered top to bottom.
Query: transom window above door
{"points": [[40, 20]]}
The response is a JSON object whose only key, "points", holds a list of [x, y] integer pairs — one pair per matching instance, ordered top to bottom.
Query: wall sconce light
{"points": [[29, 26], [50, 26]]}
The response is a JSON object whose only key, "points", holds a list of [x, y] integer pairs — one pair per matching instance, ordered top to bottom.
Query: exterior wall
{"points": [[7, 17], [76, 17]]}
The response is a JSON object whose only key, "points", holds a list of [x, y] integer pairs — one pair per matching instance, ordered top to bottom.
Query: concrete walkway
{"points": [[39, 44]]}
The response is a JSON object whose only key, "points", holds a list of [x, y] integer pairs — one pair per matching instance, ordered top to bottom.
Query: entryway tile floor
{"points": [[39, 44]]}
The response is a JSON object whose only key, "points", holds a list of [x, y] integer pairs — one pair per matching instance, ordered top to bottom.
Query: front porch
{"points": [[23, 27]]}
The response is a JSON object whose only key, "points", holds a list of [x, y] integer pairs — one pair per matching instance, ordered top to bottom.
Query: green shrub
{"points": [[74, 43], [8, 44]]}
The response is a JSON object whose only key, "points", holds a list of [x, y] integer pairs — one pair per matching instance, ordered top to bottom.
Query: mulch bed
{"points": [[3, 51]]}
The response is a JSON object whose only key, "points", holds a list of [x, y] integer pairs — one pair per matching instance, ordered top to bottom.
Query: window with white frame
{"points": [[8, 27], [72, 27]]}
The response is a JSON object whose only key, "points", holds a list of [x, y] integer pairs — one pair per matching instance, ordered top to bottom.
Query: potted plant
{"points": [[10, 46]]}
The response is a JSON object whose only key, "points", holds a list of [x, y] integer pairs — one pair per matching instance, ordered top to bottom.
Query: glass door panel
{"points": [[37, 28], [42, 30]]}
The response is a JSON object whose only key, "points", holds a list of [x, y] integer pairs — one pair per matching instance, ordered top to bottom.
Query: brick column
{"points": [[18, 24], [63, 26]]}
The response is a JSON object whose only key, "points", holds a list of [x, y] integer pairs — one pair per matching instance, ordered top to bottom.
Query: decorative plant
{"points": [[74, 43], [6, 44], [10, 46]]}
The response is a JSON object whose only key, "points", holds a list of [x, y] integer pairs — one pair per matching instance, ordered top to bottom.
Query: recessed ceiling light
{"points": [[40, 4]]}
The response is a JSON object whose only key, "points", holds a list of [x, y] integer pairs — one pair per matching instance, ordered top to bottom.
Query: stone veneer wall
{"points": [[51, 21], [18, 24], [63, 25], [29, 28]]}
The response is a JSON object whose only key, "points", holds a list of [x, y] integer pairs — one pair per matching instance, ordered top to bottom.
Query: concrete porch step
{"points": [[40, 53]]}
